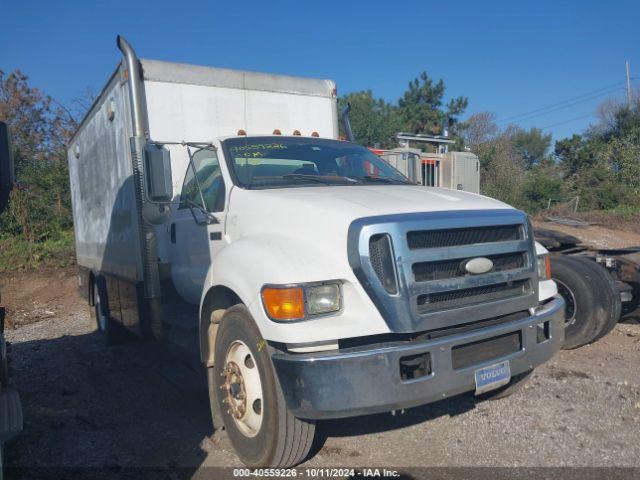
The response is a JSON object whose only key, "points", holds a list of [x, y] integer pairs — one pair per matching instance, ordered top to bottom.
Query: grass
{"points": [[18, 254]]}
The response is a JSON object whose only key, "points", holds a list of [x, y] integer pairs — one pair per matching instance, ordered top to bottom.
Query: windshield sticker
{"points": [[257, 149]]}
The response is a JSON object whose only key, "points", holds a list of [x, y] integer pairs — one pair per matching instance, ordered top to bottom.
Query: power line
{"points": [[585, 97], [569, 105], [568, 121]]}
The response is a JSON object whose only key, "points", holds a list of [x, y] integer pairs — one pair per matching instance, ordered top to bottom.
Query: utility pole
{"points": [[628, 85]]}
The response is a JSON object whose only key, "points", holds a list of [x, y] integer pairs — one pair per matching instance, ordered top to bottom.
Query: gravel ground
{"points": [[131, 405]]}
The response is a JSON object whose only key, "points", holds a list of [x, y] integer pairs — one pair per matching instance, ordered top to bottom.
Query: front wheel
{"points": [[244, 386]]}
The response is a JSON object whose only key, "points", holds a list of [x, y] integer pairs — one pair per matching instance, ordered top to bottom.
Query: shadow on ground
{"points": [[86, 405], [106, 410]]}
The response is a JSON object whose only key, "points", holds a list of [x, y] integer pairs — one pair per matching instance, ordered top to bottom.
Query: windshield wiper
{"points": [[318, 178], [370, 178]]}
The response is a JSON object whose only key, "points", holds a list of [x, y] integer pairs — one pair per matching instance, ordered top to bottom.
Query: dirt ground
{"points": [[599, 236], [88, 405]]}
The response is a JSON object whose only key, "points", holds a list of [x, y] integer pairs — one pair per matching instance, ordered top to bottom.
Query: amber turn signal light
{"points": [[547, 265], [544, 267], [284, 303]]}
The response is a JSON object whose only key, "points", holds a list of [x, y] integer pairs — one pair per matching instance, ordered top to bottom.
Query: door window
{"points": [[204, 186]]}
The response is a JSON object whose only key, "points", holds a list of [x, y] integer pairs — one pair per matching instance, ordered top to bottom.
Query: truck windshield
{"points": [[278, 162]]}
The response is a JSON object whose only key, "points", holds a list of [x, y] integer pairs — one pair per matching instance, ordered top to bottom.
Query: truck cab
{"points": [[324, 284]]}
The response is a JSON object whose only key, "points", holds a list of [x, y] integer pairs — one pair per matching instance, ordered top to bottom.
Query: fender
{"points": [[245, 265]]}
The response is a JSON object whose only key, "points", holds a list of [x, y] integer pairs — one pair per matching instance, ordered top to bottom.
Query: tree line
{"points": [[519, 166], [600, 166]]}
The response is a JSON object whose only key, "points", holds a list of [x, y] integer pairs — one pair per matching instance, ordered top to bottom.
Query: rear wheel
{"points": [[591, 298], [111, 331], [263, 432]]}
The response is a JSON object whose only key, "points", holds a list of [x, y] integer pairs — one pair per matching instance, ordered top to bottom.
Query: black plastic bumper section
{"points": [[344, 384]]}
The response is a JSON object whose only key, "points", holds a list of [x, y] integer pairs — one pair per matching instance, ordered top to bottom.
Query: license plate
{"points": [[492, 377]]}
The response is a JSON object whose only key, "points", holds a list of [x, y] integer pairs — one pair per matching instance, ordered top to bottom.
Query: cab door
{"points": [[197, 227]]}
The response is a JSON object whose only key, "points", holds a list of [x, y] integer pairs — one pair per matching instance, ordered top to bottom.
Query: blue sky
{"points": [[508, 57]]}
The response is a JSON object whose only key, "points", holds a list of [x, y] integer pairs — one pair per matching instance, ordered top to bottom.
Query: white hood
{"points": [[352, 202], [306, 228]]}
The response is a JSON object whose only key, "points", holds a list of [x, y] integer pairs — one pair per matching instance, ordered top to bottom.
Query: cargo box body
{"points": [[183, 103], [106, 223]]}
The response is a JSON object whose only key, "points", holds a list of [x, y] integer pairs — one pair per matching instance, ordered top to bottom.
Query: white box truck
{"points": [[318, 281]]}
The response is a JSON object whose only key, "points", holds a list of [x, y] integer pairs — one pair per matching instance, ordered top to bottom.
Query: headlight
{"points": [[544, 267], [323, 299], [299, 302]]}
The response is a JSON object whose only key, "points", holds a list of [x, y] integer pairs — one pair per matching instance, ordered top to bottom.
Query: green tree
{"points": [[422, 107], [374, 121], [532, 144], [573, 154], [602, 165], [502, 169], [543, 182], [40, 206]]}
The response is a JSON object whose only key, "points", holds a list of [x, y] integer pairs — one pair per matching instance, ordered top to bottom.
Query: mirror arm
{"points": [[210, 218]]}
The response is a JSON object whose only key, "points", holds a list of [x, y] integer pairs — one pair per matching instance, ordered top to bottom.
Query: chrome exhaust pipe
{"points": [[135, 87], [346, 123], [138, 141]]}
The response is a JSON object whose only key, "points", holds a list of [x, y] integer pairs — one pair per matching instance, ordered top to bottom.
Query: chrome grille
{"points": [[463, 236], [382, 261], [426, 271], [432, 289], [438, 301]]}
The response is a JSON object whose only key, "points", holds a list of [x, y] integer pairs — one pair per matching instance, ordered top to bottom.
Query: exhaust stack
{"points": [[135, 87], [346, 123], [138, 143]]}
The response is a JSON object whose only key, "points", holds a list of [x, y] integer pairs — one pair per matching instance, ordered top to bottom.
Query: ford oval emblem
{"points": [[479, 265]]}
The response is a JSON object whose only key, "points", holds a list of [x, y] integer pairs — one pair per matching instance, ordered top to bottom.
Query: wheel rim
{"points": [[570, 302], [102, 319], [242, 389]]}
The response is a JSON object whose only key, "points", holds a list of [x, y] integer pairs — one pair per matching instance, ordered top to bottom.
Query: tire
{"points": [[608, 286], [591, 298], [110, 330], [515, 385], [264, 433]]}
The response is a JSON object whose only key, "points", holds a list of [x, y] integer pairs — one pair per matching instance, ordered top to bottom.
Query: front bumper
{"points": [[344, 384]]}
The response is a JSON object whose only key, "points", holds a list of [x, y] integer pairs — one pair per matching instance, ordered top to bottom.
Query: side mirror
{"points": [[6, 165], [158, 174], [158, 184]]}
